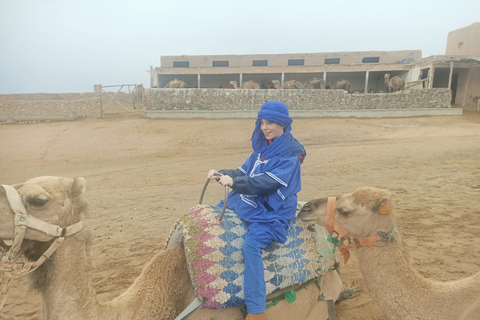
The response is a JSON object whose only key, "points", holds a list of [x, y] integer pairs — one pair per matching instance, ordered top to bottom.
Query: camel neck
{"points": [[67, 289], [401, 292]]}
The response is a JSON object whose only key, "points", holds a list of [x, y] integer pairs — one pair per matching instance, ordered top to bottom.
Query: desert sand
{"points": [[142, 174]]}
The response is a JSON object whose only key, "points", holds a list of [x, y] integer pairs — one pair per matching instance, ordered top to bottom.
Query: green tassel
{"points": [[336, 243], [291, 296]]}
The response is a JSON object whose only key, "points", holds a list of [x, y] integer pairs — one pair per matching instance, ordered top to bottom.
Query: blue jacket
{"points": [[265, 187], [266, 191]]}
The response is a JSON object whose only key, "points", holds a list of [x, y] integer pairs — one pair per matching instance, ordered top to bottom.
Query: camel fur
{"points": [[175, 83], [314, 83], [250, 84], [291, 84], [343, 84], [394, 84], [267, 85], [162, 290], [399, 290], [473, 312]]}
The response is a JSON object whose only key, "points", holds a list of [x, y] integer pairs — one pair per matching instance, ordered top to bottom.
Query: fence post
{"points": [[98, 91]]}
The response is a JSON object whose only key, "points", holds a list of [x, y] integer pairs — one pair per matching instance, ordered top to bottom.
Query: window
{"points": [[460, 44], [370, 60], [332, 61], [296, 62], [260, 63], [181, 64], [220, 64]]}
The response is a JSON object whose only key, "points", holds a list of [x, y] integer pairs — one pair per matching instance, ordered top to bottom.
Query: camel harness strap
{"points": [[22, 222], [335, 229]]}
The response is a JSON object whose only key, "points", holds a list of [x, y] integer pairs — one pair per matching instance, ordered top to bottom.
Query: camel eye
{"points": [[37, 201], [343, 211]]}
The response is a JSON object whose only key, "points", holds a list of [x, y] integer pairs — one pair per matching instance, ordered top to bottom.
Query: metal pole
{"points": [[283, 79], [241, 80], [198, 81], [366, 81]]}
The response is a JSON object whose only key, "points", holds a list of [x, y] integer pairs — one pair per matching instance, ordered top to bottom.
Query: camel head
{"points": [[387, 77], [233, 84], [55, 200], [359, 212]]}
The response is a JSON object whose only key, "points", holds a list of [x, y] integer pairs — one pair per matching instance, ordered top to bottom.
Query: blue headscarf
{"points": [[286, 144]]}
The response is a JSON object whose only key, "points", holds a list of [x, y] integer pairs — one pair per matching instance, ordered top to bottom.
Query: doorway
{"points": [[454, 86]]}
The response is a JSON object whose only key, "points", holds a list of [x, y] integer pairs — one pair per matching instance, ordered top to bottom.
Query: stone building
{"points": [[464, 41], [463, 45], [365, 70], [458, 70]]}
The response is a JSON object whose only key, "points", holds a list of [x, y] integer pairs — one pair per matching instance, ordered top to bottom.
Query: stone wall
{"points": [[249, 100], [43, 106]]}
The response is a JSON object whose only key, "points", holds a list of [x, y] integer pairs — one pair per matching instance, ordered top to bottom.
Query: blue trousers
{"points": [[254, 286]]}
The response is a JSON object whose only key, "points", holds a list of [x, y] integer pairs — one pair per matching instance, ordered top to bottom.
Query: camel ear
{"points": [[17, 186], [78, 187], [381, 206]]}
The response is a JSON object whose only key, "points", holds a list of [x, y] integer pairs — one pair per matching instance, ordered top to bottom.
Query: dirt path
{"points": [[141, 174]]}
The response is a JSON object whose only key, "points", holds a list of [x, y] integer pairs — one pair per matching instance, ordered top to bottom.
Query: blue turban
{"points": [[275, 112]]}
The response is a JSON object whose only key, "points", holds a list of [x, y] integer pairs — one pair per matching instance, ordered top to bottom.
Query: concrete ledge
{"points": [[241, 114], [15, 119]]}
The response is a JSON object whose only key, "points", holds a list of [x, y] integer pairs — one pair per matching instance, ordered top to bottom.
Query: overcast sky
{"points": [[57, 46]]}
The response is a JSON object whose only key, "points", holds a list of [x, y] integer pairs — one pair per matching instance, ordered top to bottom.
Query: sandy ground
{"points": [[142, 174]]}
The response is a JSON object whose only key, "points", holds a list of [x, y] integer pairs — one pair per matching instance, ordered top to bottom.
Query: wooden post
{"points": [[450, 76], [366, 81], [465, 91], [101, 104]]}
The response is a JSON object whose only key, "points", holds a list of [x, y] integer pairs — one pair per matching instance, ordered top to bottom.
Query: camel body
{"points": [[175, 83], [314, 83], [250, 84], [291, 84], [343, 84], [394, 84], [267, 85], [162, 290], [399, 290]]}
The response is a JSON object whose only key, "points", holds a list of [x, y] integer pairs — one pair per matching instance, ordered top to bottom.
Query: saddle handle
{"points": [[218, 174]]}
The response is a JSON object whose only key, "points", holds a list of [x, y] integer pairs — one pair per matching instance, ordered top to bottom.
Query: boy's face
{"points": [[271, 130]]}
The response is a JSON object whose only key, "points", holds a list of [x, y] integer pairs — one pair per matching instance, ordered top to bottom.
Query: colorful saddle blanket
{"points": [[215, 260]]}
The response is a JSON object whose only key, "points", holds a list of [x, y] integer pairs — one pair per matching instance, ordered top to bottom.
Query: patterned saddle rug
{"points": [[215, 260]]}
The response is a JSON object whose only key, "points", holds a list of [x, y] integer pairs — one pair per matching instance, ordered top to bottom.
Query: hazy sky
{"points": [[56, 46]]}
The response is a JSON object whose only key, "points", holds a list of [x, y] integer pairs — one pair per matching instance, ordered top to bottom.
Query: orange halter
{"points": [[333, 226]]}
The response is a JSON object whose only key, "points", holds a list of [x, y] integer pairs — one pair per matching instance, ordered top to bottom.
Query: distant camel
{"points": [[175, 83], [314, 83], [291, 84], [343, 84], [394, 84], [246, 85], [267, 85], [138, 94]]}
